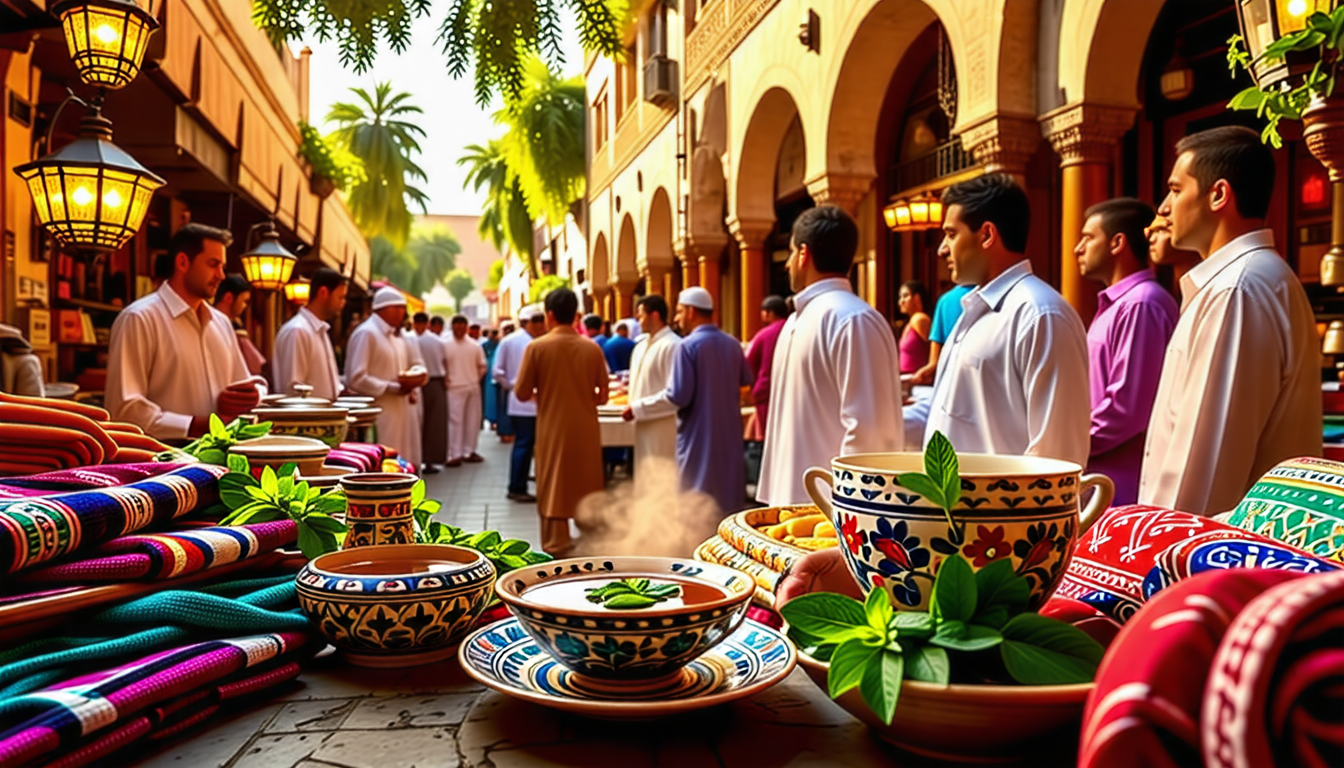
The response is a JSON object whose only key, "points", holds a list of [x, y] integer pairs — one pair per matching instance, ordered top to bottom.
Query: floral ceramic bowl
{"points": [[277, 450], [1021, 508], [396, 605], [626, 645], [973, 723]]}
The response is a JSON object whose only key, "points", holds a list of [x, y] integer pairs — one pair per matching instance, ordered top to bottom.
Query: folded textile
{"points": [[362, 457], [399, 466], [79, 478], [1299, 502], [37, 530], [168, 555], [157, 621], [1232, 668], [82, 715]]}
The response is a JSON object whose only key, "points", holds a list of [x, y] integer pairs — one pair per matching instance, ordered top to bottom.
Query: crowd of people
{"points": [[1183, 406]]}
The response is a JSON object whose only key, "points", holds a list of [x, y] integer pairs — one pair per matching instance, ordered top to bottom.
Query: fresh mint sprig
{"points": [[940, 482], [632, 594], [874, 648]]}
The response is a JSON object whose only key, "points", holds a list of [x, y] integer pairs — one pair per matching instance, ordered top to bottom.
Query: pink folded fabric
{"points": [[81, 478]]}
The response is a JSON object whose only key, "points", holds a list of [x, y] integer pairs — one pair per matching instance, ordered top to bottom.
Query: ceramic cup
{"points": [[275, 451], [378, 508], [1020, 508], [397, 605]]}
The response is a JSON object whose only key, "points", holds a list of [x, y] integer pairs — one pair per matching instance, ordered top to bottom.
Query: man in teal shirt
{"points": [[945, 316]]}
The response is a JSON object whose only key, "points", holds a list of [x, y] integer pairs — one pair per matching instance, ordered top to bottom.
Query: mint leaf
{"points": [[217, 429], [239, 464], [940, 464], [269, 483], [923, 485], [417, 493], [320, 522], [310, 543], [998, 586], [954, 591], [629, 601], [878, 609], [824, 615], [912, 624], [956, 636], [1038, 650], [848, 663], [927, 664], [881, 684]]}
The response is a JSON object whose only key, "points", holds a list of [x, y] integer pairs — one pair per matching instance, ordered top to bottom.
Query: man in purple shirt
{"points": [[1127, 340], [761, 356]]}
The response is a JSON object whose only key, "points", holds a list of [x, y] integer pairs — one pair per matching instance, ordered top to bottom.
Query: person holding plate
{"points": [[382, 364]]}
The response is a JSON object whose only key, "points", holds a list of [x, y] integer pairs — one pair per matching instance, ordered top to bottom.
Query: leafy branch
{"points": [[1286, 100], [327, 159], [214, 445], [940, 482], [279, 496], [630, 594], [874, 648]]}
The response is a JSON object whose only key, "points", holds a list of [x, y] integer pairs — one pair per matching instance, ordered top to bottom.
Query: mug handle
{"points": [[810, 477], [1100, 501]]}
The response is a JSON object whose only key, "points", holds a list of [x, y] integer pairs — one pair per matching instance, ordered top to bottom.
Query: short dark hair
{"points": [[1234, 153], [996, 198], [1126, 216], [831, 235], [190, 239], [325, 277], [232, 285], [917, 288], [562, 303], [655, 304], [776, 305], [420, 317], [459, 319], [436, 320], [590, 321], [477, 326]]}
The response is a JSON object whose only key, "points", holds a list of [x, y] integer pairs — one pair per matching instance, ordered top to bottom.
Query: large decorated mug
{"points": [[378, 508], [1020, 508]]}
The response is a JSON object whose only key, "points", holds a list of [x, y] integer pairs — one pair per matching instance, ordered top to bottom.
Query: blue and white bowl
{"points": [[628, 646]]}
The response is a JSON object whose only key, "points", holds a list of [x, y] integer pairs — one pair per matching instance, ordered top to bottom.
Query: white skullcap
{"points": [[387, 296], [696, 297], [530, 312]]}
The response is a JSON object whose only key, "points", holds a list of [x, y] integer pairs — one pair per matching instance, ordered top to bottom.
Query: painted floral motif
{"points": [[854, 538], [1042, 539], [989, 545], [902, 551], [568, 645], [614, 652]]}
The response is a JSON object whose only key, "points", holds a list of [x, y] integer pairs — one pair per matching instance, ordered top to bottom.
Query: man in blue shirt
{"points": [[945, 316], [592, 328], [618, 349]]}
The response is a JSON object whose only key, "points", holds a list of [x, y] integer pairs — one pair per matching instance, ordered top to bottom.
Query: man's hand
{"points": [[924, 375], [237, 399], [628, 414], [820, 571]]}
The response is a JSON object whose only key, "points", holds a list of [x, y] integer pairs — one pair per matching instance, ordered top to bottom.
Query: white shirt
{"points": [[431, 346], [303, 355], [374, 356], [508, 361], [465, 362], [167, 364], [1013, 377], [835, 389], [1240, 389], [655, 415]]}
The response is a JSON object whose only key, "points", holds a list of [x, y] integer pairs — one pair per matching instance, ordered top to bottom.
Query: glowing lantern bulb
{"points": [[1297, 7], [106, 34], [82, 196], [112, 199]]}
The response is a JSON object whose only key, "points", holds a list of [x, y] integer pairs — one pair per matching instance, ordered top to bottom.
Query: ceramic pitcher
{"points": [[378, 508], [1020, 508]]}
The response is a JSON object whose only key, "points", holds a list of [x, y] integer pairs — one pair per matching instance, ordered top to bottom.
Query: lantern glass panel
{"points": [[107, 43], [919, 212], [936, 212], [889, 215], [902, 215]]}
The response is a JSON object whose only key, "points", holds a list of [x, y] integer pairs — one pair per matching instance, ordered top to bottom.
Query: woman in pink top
{"points": [[914, 346]]}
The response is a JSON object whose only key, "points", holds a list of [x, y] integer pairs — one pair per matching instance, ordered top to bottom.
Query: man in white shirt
{"points": [[303, 353], [173, 359], [465, 360], [378, 363], [1013, 377], [835, 381], [1241, 383], [522, 414], [655, 416], [434, 434]]}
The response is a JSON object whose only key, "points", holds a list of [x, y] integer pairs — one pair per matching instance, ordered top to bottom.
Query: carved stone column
{"points": [[1084, 136], [1002, 143], [842, 189], [752, 239], [706, 250]]}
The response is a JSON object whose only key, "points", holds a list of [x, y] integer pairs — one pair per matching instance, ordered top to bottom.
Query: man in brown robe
{"points": [[568, 375]]}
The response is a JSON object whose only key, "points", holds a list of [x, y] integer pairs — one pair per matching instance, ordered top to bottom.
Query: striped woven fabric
{"points": [[361, 457], [81, 478], [36, 530], [168, 555], [85, 718]]}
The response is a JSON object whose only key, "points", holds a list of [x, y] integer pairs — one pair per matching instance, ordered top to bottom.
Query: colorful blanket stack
{"points": [[42, 435]]}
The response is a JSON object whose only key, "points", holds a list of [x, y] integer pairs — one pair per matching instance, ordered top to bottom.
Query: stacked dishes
{"points": [[306, 416]]}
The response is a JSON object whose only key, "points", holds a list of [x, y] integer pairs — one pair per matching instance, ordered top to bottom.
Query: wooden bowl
{"points": [[970, 723]]}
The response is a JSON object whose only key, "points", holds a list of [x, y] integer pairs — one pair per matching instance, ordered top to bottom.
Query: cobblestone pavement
{"points": [[340, 716]]}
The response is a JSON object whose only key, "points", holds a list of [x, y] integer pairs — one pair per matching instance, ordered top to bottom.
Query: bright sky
{"points": [[451, 118]]}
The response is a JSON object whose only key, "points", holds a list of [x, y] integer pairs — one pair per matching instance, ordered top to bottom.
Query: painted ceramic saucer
{"points": [[504, 657]]}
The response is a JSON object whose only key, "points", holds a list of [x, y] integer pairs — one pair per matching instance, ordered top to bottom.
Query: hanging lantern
{"points": [[1264, 21], [107, 38], [90, 195], [920, 213], [269, 265], [298, 291]]}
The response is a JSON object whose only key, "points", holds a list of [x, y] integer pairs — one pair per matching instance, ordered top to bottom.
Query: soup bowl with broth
{"points": [[627, 619]]}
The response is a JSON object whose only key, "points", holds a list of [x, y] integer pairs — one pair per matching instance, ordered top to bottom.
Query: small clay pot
{"points": [[378, 508]]}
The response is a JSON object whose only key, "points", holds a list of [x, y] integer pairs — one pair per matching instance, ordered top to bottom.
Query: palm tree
{"points": [[376, 133], [544, 144], [504, 220], [434, 251], [388, 262], [459, 286]]}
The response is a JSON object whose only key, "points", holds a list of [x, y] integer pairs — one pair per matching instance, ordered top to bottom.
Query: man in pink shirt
{"points": [[1127, 340], [761, 356]]}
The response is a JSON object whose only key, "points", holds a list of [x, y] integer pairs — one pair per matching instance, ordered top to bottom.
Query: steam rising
{"points": [[650, 517]]}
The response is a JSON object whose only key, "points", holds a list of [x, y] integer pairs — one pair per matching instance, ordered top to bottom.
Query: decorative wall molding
{"points": [[1086, 133]]}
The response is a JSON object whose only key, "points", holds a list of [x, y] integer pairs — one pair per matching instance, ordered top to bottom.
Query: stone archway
{"points": [[1101, 46], [657, 262], [599, 265], [625, 276]]}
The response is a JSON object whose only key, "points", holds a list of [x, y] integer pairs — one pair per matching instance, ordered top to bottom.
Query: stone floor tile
{"points": [[411, 711], [318, 715], [498, 722], [212, 746], [409, 748], [280, 750], [583, 755]]}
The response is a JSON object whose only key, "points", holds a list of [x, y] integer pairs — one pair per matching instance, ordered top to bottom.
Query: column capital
{"points": [[1086, 133], [1002, 143], [843, 189], [750, 233], [695, 248]]}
